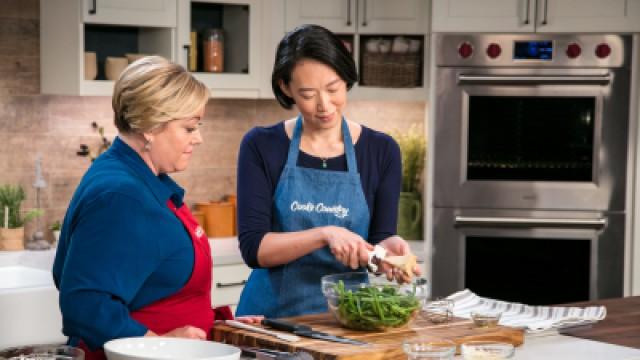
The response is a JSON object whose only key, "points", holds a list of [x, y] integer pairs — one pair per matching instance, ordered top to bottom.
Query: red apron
{"points": [[189, 306]]}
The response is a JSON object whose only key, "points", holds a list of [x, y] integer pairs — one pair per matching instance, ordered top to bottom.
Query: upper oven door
{"points": [[531, 138]]}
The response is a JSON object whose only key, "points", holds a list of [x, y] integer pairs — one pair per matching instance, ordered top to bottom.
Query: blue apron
{"points": [[304, 199]]}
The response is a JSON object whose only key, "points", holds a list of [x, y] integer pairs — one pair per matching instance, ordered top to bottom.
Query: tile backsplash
{"points": [[53, 127]]}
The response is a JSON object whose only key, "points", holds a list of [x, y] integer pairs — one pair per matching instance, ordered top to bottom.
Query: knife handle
{"points": [[284, 325]]}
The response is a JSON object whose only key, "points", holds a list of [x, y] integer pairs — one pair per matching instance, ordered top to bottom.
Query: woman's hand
{"points": [[397, 246], [348, 247], [250, 319], [187, 332]]}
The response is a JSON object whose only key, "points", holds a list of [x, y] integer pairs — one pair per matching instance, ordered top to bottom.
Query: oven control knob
{"points": [[465, 50], [494, 50], [573, 50], [603, 50]]}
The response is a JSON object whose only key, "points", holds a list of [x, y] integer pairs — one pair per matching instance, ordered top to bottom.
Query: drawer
{"points": [[228, 281]]}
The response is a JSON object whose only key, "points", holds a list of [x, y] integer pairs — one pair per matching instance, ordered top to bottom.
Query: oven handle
{"points": [[537, 79], [529, 222]]}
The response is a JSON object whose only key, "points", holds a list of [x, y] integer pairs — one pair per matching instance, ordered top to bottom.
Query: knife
{"points": [[306, 331]]}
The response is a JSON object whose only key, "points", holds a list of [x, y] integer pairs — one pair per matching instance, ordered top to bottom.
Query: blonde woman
{"points": [[132, 260]]}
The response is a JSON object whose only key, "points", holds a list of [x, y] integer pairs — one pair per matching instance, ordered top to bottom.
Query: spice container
{"points": [[213, 50], [438, 311], [485, 320], [418, 348], [486, 350]]}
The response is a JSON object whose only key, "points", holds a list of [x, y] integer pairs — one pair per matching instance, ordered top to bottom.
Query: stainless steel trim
{"points": [[546, 6], [94, 9], [348, 12], [364, 13], [526, 19], [540, 79], [529, 222], [220, 285]]}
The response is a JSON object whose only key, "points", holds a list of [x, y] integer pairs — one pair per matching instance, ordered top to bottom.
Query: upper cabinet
{"points": [[160, 13], [363, 16], [536, 16], [388, 40], [219, 41], [85, 44]]}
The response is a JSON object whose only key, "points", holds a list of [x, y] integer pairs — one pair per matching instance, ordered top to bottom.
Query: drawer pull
{"points": [[220, 285]]}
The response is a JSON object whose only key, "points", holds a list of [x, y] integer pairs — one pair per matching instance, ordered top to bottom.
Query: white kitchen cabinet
{"points": [[159, 13], [337, 15], [483, 15], [363, 16], [536, 16], [612, 16], [393, 17], [241, 22], [65, 36], [228, 282]]}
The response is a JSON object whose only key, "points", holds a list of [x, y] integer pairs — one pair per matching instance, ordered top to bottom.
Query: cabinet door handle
{"points": [[94, 8], [348, 12], [545, 12], [364, 13], [526, 19], [220, 285]]}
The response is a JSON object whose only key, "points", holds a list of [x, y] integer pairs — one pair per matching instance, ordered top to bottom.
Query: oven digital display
{"points": [[533, 50]]}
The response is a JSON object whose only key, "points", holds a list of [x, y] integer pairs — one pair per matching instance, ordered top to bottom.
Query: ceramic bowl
{"points": [[361, 301], [147, 348]]}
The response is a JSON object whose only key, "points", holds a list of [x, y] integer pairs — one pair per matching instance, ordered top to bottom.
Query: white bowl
{"points": [[147, 348]]}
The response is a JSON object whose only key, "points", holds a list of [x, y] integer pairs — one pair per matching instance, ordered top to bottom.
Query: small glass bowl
{"points": [[438, 311], [486, 319], [424, 349], [487, 350]]}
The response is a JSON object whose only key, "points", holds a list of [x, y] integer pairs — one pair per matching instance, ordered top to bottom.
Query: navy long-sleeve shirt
{"points": [[263, 154], [121, 248]]}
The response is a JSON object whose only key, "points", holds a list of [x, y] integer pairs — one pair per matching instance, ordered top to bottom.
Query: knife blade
{"points": [[307, 331]]}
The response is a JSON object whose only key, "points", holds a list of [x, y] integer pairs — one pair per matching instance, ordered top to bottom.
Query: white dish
{"points": [[147, 348]]}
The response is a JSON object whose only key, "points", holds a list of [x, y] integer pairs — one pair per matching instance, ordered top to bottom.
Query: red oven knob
{"points": [[465, 50], [494, 50], [573, 50], [603, 50]]}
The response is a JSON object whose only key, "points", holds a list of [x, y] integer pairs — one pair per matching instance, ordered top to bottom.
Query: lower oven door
{"points": [[531, 138], [533, 257]]}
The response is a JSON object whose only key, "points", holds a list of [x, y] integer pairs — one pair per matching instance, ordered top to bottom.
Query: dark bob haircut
{"points": [[310, 42]]}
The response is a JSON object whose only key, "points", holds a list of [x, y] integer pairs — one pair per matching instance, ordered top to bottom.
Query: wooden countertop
{"points": [[620, 327]]}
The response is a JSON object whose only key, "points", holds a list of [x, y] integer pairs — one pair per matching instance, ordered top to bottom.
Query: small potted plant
{"points": [[413, 148], [55, 229], [12, 230]]}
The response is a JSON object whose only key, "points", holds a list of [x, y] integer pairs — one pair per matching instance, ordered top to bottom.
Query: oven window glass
{"points": [[531, 138], [528, 270]]}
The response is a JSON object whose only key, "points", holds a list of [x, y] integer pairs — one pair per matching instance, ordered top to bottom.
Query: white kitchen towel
{"points": [[531, 318]]}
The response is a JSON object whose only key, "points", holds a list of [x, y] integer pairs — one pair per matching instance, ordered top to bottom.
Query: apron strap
{"points": [[349, 149]]}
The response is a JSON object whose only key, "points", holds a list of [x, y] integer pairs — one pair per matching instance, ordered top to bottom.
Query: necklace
{"points": [[324, 162]]}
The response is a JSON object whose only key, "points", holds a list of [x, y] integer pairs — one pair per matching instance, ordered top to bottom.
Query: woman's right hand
{"points": [[348, 247], [187, 332]]}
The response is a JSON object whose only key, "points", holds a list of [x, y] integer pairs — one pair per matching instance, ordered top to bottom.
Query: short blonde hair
{"points": [[153, 91]]}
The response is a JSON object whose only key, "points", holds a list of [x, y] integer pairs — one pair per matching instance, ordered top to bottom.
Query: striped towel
{"points": [[531, 318]]}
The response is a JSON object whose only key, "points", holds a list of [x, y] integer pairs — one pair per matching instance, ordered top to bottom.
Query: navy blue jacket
{"points": [[121, 247]]}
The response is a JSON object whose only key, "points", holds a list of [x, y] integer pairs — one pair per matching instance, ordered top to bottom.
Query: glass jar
{"points": [[213, 50]]}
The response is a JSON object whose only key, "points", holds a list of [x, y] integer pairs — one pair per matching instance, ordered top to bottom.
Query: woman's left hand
{"points": [[397, 246], [250, 319]]}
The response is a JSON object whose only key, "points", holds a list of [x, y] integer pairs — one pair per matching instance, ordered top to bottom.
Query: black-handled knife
{"points": [[306, 331]]}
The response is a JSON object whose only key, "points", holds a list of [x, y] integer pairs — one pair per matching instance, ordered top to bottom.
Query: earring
{"points": [[147, 145]]}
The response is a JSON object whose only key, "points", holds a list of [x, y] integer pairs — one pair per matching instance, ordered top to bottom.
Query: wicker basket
{"points": [[391, 70]]}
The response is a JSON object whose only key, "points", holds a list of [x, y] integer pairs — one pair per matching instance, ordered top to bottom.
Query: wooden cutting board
{"points": [[383, 345]]}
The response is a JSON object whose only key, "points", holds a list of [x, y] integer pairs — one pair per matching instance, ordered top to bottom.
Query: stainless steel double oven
{"points": [[530, 148]]}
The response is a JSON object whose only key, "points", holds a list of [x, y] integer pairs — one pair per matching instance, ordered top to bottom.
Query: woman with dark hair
{"points": [[315, 192]]}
